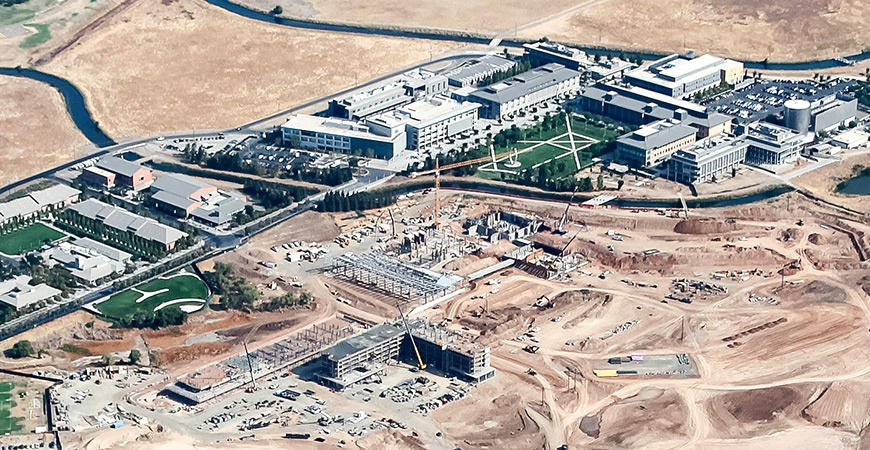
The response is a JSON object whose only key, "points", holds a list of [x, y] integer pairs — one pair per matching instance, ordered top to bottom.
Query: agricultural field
{"points": [[28, 238], [183, 289], [8, 424]]}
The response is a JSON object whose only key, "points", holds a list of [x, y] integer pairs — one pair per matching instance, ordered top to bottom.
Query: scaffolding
{"points": [[394, 277]]}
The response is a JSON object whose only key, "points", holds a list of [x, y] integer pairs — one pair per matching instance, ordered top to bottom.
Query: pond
{"points": [[859, 185]]}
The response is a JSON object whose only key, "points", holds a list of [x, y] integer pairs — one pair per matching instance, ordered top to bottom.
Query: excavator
{"points": [[420, 364]]}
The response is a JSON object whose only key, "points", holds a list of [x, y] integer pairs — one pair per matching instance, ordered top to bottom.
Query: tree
{"points": [[277, 10], [600, 183], [619, 184], [20, 349], [135, 356], [107, 360]]}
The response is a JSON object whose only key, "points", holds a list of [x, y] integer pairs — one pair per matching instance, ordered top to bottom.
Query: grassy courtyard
{"points": [[551, 151], [28, 238], [183, 289], [8, 424]]}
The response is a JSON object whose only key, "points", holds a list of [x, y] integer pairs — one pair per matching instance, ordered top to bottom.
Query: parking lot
{"points": [[765, 97], [675, 366]]}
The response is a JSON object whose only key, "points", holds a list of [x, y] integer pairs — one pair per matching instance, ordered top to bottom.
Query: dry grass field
{"points": [[781, 30], [183, 65], [35, 129]]}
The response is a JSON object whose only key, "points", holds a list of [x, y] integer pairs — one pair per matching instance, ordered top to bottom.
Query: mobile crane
{"points": [[420, 364]]}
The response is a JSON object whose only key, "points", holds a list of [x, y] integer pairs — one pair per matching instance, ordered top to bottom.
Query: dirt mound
{"points": [[704, 226], [790, 235], [816, 239], [661, 262], [820, 292], [193, 352], [761, 405], [843, 405], [626, 424], [390, 440]]}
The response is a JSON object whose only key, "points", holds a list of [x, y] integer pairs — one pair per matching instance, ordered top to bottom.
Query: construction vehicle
{"points": [[561, 228], [531, 348], [420, 364]]}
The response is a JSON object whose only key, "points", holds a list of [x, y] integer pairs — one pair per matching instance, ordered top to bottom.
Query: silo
{"points": [[797, 115]]}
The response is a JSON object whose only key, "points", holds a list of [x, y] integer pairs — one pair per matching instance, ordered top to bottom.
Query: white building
{"points": [[681, 75], [432, 121], [378, 138], [850, 139], [707, 159], [87, 260], [18, 293]]}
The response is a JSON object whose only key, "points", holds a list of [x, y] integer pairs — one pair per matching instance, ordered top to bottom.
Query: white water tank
{"points": [[797, 115]]}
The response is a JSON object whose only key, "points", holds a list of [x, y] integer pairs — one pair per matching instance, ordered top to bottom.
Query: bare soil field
{"points": [[475, 16], [780, 30], [184, 65], [27, 106], [823, 182]]}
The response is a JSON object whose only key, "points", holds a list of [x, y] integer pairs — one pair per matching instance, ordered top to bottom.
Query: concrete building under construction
{"points": [[499, 225], [428, 247], [540, 263], [366, 355]]}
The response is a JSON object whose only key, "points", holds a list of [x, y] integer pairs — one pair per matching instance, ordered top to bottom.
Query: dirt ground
{"points": [[476, 16], [780, 30], [185, 65], [28, 105], [822, 182]]}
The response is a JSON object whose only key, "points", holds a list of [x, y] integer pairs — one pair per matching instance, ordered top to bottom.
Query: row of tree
{"points": [[523, 65], [861, 90], [227, 162], [275, 195], [341, 202], [164, 317]]}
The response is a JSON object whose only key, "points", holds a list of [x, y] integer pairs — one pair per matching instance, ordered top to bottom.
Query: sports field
{"points": [[562, 150], [28, 238], [183, 289], [8, 424]]}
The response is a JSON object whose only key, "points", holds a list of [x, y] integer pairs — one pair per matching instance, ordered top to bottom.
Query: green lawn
{"points": [[10, 15], [42, 35], [28, 238], [187, 286], [8, 424]]}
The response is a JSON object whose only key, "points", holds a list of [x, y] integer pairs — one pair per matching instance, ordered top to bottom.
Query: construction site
{"points": [[591, 327]]}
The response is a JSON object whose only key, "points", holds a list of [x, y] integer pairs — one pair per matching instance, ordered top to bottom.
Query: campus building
{"points": [[541, 53], [609, 68], [470, 73], [683, 75], [412, 85], [526, 90], [639, 106], [832, 111], [430, 122], [381, 138], [653, 144], [771, 144], [707, 159], [112, 171], [54, 197], [186, 197], [126, 222], [87, 260], [19, 293], [362, 356]]}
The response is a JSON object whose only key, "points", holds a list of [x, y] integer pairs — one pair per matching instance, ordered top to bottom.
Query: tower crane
{"points": [[437, 171], [420, 364]]}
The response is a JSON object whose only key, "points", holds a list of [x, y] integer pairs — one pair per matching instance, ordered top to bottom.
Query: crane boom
{"points": [[455, 165], [561, 228], [420, 363]]}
